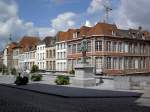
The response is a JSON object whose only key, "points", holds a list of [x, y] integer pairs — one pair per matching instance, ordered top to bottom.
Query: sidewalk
{"points": [[49, 80]]}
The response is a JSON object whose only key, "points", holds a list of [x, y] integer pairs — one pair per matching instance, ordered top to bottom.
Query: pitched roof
{"points": [[102, 29], [62, 36], [27, 41], [49, 41], [10, 47]]}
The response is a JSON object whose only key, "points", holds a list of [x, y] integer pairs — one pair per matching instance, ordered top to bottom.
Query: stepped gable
{"points": [[102, 29], [29, 43]]}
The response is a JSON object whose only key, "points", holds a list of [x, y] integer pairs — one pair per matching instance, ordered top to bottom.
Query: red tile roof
{"points": [[98, 29], [102, 29], [27, 41]]}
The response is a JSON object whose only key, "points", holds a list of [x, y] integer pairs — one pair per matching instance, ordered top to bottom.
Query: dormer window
{"points": [[113, 33], [76, 34], [133, 35], [143, 36]]}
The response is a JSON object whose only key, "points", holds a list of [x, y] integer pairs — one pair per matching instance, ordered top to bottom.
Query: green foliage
{"points": [[4, 69], [34, 69], [13, 71], [72, 72], [36, 77], [21, 80], [62, 80]]}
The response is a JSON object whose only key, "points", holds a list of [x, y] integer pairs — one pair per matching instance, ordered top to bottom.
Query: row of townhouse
{"points": [[111, 50], [30, 51]]}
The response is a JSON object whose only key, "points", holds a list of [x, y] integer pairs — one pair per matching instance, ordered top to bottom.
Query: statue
{"points": [[84, 49]]}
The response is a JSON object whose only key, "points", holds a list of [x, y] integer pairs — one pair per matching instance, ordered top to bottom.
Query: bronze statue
{"points": [[84, 48]]}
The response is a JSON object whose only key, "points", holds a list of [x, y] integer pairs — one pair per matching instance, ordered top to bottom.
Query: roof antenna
{"points": [[107, 9]]}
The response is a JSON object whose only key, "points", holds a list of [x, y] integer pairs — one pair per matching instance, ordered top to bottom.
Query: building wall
{"points": [[112, 55], [5, 56], [41, 56], [61, 56], [16, 58], [50, 58], [30, 59], [21, 62]]}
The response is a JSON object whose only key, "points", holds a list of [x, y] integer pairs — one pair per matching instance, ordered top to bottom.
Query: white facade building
{"points": [[16, 52], [5, 56], [41, 56], [61, 56], [21, 62]]}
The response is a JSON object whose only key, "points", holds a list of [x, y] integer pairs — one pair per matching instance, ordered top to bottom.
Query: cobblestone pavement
{"points": [[15, 100]]}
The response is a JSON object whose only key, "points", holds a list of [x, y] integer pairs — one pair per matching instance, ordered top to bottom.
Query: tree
{"points": [[34, 69], [13, 71]]}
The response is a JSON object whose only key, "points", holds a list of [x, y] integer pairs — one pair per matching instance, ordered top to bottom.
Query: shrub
{"points": [[34, 69], [4, 70], [13, 71], [72, 72], [36, 77], [21, 80], [62, 80]]}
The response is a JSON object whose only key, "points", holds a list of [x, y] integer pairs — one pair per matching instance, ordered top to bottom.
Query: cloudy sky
{"points": [[46, 17]]}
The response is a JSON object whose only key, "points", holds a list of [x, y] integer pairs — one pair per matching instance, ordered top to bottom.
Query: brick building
{"points": [[111, 50]]}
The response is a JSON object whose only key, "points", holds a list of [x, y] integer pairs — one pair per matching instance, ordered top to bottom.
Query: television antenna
{"points": [[107, 9]]}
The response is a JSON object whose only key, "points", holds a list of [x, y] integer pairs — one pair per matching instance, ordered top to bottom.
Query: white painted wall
{"points": [[41, 56], [61, 56]]}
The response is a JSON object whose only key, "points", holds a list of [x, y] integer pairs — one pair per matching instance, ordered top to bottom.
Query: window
{"points": [[113, 33], [76, 34], [98, 45], [89, 46], [108, 46], [114, 46], [79, 47], [120, 47], [126, 47], [130, 47], [74, 48], [70, 49], [53, 53], [47, 54], [108, 62], [99, 63], [115, 63], [120, 63]]}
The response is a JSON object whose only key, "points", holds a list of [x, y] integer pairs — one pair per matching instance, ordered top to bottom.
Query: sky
{"points": [[47, 17]]}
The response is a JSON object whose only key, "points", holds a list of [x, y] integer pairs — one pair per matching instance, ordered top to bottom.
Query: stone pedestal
{"points": [[84, 75]]}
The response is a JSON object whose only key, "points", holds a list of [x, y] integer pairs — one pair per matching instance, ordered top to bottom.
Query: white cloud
{"points": [[96, 6], [132, 13], [63, 21], [11, 23], [88, 23], [43, 32]]}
